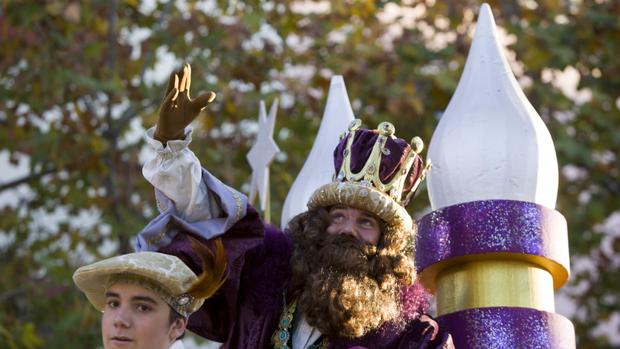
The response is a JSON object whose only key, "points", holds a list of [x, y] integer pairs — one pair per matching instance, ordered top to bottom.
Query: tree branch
{"points": [[110, 156], [26, 179]]}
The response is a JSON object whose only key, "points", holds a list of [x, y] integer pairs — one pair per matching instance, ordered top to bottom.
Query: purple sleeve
{"points": [[257, 273], [215, 318]]}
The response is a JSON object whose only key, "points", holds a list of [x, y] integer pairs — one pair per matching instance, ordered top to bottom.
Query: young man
{"points": [[341, 276], [146, 297]]}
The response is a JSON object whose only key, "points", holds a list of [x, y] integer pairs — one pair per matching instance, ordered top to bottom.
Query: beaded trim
{"points": [[238, 203], [157, 238], [282, 336]]}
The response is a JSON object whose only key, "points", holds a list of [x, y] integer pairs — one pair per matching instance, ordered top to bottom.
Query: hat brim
{"points": [[364, 198], [155, 267]]}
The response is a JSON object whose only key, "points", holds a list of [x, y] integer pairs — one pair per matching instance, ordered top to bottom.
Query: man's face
{"points": [[362, 225], [345, 286], [137, 318]]}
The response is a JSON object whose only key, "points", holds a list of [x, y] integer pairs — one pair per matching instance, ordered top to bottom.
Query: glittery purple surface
{"points": [[491, 226], [508, 327]]}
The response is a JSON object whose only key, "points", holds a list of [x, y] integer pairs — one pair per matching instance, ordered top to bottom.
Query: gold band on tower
{"points": [[494, 283]]}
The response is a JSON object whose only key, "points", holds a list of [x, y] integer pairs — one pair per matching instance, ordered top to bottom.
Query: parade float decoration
{"points": [[260, 157], [319, 168], [494, 249]]}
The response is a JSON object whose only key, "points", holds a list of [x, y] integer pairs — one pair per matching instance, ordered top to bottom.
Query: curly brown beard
{"points": [[347, 287]]}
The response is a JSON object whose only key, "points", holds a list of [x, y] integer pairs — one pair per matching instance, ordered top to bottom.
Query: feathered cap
{"points": [[375, 172], [161, 273]]}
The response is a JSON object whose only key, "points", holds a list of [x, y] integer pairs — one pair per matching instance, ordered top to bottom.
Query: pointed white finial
{"points": [[486, 23], [490, 142], [262, 154], [319, 166]]}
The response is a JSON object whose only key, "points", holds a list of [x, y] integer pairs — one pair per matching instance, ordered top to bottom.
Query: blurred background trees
{"points": [[81, 80]]}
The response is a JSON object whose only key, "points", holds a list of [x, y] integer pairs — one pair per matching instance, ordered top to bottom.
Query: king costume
{"points": [[320, 284], [254, 307]]}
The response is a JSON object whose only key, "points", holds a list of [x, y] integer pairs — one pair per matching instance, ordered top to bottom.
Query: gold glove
{"points": [[177, 109]]}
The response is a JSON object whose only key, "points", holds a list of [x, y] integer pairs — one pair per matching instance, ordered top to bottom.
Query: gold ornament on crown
{"points": [[369, 175]]}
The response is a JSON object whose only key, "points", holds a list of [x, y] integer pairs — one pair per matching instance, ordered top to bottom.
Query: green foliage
{"points": [[72, 86]]}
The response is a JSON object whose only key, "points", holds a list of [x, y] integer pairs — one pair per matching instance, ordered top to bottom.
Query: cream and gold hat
{"points": [[164, 274]]}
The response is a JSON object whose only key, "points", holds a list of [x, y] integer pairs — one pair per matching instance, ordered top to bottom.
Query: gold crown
{"points": [[391, 158], [376, 172]]}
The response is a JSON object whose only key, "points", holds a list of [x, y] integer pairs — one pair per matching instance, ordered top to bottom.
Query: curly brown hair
{"points": [[346, 287]]}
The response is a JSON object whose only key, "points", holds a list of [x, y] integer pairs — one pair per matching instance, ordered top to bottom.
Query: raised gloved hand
{"points": [[177, 109]]}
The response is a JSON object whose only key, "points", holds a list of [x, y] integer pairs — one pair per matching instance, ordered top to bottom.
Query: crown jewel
{"points": [[378, 159], [376, 172]]}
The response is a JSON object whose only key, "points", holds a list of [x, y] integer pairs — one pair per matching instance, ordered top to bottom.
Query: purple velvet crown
{"points": [[397, 158], [376, 172]]}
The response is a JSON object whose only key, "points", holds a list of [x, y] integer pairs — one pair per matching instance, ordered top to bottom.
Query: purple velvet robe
{"points": [[245, 311]]}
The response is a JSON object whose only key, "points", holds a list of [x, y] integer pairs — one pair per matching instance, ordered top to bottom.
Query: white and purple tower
{"points": [[494, 249]]}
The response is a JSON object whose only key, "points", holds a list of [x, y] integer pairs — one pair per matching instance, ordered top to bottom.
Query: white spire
{"points": [[490, 142], [319, 166]]}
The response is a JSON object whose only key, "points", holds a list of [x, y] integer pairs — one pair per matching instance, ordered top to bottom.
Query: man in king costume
{"points": [[340, 276]]}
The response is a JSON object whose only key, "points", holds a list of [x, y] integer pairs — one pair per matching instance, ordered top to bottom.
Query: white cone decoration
{"points": [[490, 142], [319, 166]]}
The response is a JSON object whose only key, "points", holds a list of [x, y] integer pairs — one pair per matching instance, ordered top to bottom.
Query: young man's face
{"points": [[362, 225], [137, 318]]}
